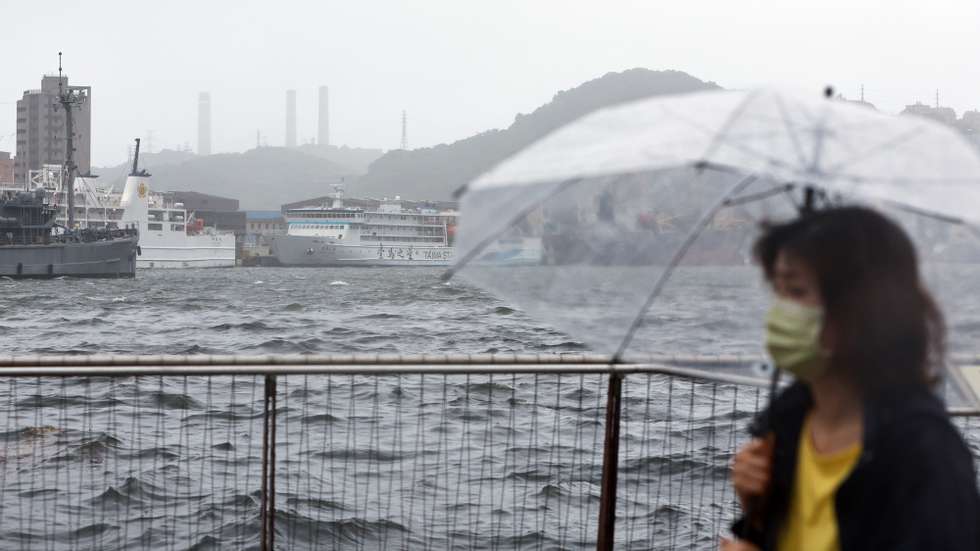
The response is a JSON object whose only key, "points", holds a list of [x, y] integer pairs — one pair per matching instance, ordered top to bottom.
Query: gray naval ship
{"points": [[32, 247]]}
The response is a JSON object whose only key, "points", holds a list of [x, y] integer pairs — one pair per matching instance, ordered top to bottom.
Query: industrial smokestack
{"points": [[290, 118], [323, 118], [204, 123], [404, 130]]}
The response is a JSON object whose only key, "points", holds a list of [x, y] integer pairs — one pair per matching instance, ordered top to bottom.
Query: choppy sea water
{"points": [[264, 310], [397, 462]]}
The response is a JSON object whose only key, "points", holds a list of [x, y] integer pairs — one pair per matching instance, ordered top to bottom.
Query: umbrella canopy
{"points": [[837, 145], [631, 228]]}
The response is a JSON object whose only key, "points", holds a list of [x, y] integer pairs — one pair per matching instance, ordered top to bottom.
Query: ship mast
{"points": [[69, 99], [136, 160], [338, 195]]}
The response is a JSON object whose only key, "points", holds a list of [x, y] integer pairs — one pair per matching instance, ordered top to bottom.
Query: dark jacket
{"points": [[913, 487]]}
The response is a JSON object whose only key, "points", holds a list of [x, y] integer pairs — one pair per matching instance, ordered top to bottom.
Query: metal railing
{"points": [[379, 451]]}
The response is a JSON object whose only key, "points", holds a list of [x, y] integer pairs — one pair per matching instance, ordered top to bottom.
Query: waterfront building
{"points": [[945, 115], [969, 124], [41, 129], [6, 168], [201, 202], [220, 213], [264, 223], [262, 226]]}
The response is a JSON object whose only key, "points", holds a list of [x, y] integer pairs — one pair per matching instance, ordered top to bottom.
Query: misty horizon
{"points": [[456, 70]]}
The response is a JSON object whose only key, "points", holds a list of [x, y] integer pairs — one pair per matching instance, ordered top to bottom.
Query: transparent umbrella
{"points": [[630, 229]]}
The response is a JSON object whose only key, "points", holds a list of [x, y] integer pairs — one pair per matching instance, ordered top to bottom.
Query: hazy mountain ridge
{"points": [[435, 172], [116, 175], [267, 177], [261, 178]]}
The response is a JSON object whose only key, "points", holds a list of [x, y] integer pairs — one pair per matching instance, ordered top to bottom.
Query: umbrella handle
{"points": [[756, 505]]}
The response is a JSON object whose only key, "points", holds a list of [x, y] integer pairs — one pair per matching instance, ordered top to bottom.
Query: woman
{"points": [[858, 453]]}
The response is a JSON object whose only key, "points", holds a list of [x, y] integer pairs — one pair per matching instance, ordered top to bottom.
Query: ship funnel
{"points": [[135, 200]]}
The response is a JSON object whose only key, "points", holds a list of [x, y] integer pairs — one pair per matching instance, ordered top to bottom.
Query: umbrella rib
{"points": [[735, 115], [789, 131], [912, 133], [720, 135], [819, 137], [773, 161], [908, 179], [751, 198], [676, 258], [452, 270]]}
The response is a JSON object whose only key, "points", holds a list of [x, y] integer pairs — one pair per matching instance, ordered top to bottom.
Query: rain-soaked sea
{"points": [[264, 311], [396, 462]]}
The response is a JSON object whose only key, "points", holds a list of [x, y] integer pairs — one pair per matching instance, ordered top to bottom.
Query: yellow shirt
{"points": [[812, 522]]}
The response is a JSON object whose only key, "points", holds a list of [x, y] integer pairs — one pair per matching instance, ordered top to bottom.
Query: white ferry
{"points": [[336, 235], [169, 237]]}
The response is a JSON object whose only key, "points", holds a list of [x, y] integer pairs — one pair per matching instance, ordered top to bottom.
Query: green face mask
{"points": [[793, 338]]}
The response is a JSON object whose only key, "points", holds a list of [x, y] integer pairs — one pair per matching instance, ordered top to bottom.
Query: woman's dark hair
{"points": [[888, 331]]}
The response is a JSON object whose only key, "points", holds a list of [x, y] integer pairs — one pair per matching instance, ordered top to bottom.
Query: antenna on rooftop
{"points": [[862, 93], [937, 98]]}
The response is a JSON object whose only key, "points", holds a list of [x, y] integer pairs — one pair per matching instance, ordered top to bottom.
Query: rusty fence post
{"points": [[610, 465], [268, 513]]}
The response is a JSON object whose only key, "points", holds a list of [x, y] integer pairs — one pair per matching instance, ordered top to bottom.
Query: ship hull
{"points": [[296, 250], [191, 251], [109, 258]]}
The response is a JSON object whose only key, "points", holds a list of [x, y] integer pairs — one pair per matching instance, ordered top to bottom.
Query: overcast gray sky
{"points": [[458, 67]]}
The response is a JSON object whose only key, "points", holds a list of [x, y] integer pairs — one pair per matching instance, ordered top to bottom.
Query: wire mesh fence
{"points": [[678, 438], [396, 461], [438, 461], [393, 462], [130, 463]]}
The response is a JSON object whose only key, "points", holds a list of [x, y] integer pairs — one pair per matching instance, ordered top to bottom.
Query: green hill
{"points": [[435, 172], [261, 179]]}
